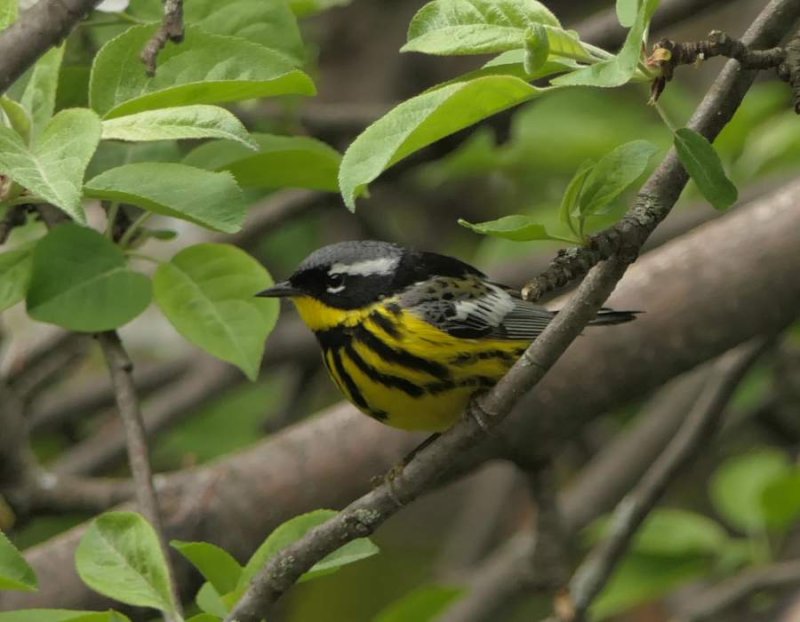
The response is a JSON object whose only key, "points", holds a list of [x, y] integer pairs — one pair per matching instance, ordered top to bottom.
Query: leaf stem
{"points": [[663, 114], [113, 208], [128, 236]]}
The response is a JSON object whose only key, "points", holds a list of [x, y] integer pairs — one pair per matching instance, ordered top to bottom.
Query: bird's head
{"points": [[347, 275]]}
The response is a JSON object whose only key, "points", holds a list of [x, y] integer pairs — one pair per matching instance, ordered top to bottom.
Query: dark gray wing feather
{"points": [[473, 308]]}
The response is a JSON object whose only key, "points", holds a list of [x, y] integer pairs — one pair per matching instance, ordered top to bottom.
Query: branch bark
{"points": [[46, 24], [654, 202], [704, 293], [120, 367], [592, 575]]}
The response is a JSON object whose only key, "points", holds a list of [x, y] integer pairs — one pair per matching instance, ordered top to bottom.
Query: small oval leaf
{"points": [[195, 72], [422, 120], [183, 122], [281, 162], [53, 166], [705, 168], [212, 200], [516, 227], [15, 275], [80, 280], [207, 292], [294, 529], [119, 556], [214, 563], [15, 573]]}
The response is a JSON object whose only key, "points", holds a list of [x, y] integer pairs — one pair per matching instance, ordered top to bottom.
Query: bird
{"points": [[409, 337]]}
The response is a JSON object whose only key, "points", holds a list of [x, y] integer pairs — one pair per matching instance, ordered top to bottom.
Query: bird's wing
{"points": [[474, 308]]}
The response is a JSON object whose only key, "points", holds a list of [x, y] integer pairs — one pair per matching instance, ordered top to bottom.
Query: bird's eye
{"points": [[335, 282]]}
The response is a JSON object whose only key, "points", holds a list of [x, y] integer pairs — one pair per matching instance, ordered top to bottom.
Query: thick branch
{"points": [[46, 24], [731, 279], [120, 368], [365, 515], [508, 572]]}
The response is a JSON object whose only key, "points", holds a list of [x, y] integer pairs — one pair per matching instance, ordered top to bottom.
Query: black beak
{"points": [[280, 290]]}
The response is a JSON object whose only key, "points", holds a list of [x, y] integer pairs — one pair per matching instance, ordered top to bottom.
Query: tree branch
{"points": [[46, 24], [171, 30], [659, 194], [740, 287], [120, 367], [364, 515], [508, 572], [592, 575], [711, 603]]}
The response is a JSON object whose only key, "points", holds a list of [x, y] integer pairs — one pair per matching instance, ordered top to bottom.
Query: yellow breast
{"points": [[400, 369]]}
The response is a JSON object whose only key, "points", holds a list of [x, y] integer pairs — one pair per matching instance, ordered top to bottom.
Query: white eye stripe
{"points": [[368, 267], [335, 290]]}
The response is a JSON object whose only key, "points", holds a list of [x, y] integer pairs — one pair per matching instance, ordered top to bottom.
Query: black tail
{"points": [[606, 317]]}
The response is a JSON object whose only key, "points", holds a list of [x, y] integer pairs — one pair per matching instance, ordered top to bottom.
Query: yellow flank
{"points": [[390, 378]]}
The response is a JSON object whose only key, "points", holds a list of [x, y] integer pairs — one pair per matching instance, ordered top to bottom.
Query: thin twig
{"points": [[171, 30], [625, 238], [120, 368], [508, 573], [592, 575], [711, 603]]}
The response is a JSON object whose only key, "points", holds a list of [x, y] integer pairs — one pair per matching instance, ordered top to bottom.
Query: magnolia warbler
{"points": [[407, 336]]}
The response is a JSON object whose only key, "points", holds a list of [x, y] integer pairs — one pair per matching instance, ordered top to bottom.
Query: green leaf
{"points": [[305, 8], [626, 12], [8, 13], [270, 24], [475, 26], [537, 48], [618, 70], [194, 72], [39, 96], [17, 116], [422, 120], [198, 121], [281, 162], [52, 168], [705, 168], [613, 174], [210, 199], [569, 201], [516, 227], [15, 275], [80, 281], [207, 292], [738, 485], [780, 501], [294, 529], [673, 532], [119, 556], [215, 564], [15, 573], [641, 578], [209, 601], [421, 605], [61, 615], [204, 617]]}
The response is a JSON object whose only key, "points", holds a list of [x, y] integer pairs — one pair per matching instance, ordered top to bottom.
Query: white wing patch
{"points": [[368, 267], [491, 308]]}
